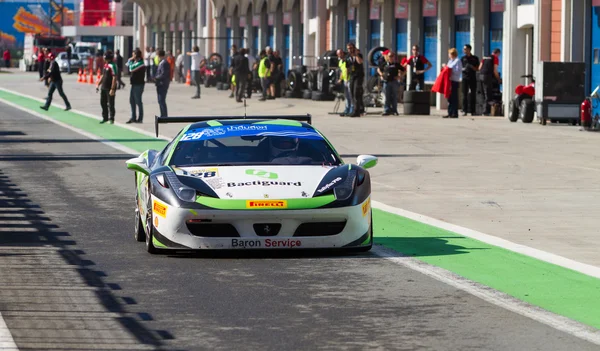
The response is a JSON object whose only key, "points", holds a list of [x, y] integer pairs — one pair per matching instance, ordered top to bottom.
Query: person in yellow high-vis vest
{"points": [[264, 73], [344, 80]]}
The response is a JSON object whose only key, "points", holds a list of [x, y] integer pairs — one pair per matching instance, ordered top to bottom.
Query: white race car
{"points": [[251, 183]]}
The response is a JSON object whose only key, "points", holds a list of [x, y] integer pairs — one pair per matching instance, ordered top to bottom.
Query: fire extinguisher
{"points": [[586, 114]]}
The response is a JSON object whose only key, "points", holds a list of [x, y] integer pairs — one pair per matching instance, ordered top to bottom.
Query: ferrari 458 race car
{"points": [[251, 183]]}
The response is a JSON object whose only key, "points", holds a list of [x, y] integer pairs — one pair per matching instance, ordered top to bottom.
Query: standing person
{"points": [[234, 54], [6, 57], [41, 59], [69, 59], [171, 60], [119, 62], [153, 63], [418, 63], [147, 64], [470, 64], [46, 65], [196, 66], [251, 66], [343, 66], [455, 66], [179, 67], [137, 68], [240, 71], [273, 72], [279, 72], [264, 73], [391, 73], [489, 75], [357, 77], [162, 79], [56, 83], [108, 86]]}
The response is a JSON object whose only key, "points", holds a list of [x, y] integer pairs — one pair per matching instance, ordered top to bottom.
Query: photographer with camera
{"points": [[390, 72], [356, 73]]}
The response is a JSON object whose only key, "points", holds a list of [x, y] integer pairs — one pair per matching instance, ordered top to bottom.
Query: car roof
{"points": [[225, 122]]}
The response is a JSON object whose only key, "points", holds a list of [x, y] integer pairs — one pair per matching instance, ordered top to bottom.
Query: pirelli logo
{"points": [[271, 204], [366, 206], [159, 209]]}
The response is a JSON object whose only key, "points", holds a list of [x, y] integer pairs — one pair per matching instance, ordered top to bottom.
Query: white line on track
{"points": [[487, 294], [492, 296], [7, 343]]}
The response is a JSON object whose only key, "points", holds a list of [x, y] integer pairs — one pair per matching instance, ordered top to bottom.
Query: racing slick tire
{"points": [[375, 55], [311, 78], [294, 82], [373, 83], [219, 85], [226, 86], [307, 94], [317, 96], [417, 97], [513, 107], [411, 108], [526, 111], [138, 233]]}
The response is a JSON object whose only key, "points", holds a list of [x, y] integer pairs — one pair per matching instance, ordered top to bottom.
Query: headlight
{"points": [[344, 190], [183, 192]]}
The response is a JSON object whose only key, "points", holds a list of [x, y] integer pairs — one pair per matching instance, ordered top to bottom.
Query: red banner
{"points": [[595, 2], [496, 5], [461, 7], [429, 8], [401, 9], [375, 10], [351, 13], [287, 18], [270, 19], [255, 20], [242, 21], [228, 22], [180, 26]]}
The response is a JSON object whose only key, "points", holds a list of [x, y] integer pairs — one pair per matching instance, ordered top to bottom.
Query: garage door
{"points": [[595, 49]]}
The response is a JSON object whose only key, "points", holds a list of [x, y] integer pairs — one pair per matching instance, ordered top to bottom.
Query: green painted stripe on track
{"points": [[129, 138], [553, 288]]}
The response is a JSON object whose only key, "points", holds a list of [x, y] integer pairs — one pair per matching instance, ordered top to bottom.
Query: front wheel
{"points": [[514, 110], [527, 110], [150, 229], [139, 233]]}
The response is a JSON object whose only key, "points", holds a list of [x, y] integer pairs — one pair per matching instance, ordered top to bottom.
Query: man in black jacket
{"points": [[470, 65], [240, 71], [53, 76], [162, 79], [137, 80]]}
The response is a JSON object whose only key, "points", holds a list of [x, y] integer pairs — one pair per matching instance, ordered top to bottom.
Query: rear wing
{"points": [[194, 119]]}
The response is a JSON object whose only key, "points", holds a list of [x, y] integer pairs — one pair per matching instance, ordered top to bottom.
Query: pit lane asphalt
{"points": [[198, 302]]}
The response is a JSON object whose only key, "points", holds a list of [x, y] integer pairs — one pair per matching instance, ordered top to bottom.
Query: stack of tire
{"points": [[295, 83], [417, 102]]}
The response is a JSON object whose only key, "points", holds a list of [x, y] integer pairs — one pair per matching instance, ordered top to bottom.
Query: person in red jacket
{"points": [[6, 57]]}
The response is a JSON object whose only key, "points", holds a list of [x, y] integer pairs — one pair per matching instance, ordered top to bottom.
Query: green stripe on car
{"points": [[291, 204]]}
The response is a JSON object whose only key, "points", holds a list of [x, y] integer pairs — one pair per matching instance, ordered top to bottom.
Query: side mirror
{"points": [[366, 161], [138, 164]]}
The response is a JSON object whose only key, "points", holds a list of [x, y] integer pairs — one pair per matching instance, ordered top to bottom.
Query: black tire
{"points": [[376, 54], [214, 56], [311, 78], [294, 81], [323, 81], [206, 82], [372, 84], [219, 86], [226, 86], [290, 94], [307, 94], [317, 96], [417, 97], [416, 109], [514, 111], [526, 111], [575, 122], [139, 234]]}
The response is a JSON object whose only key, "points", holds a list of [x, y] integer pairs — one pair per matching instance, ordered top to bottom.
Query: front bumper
{"points": [[182, 228]]}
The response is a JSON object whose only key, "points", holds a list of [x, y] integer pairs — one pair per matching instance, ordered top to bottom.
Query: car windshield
{"points": [[253, 144]]}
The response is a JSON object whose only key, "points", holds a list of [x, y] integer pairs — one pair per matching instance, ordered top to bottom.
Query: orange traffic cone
{"points": [[98, 74], [91, 76], [79, 78], [188, 79]]}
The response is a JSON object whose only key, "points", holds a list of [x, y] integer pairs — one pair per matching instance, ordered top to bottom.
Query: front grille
{"points": [[320, 228], [267, 229], [213, 230]]}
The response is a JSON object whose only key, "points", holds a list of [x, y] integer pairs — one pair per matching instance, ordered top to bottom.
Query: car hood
{"points": [[259, 182]]}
